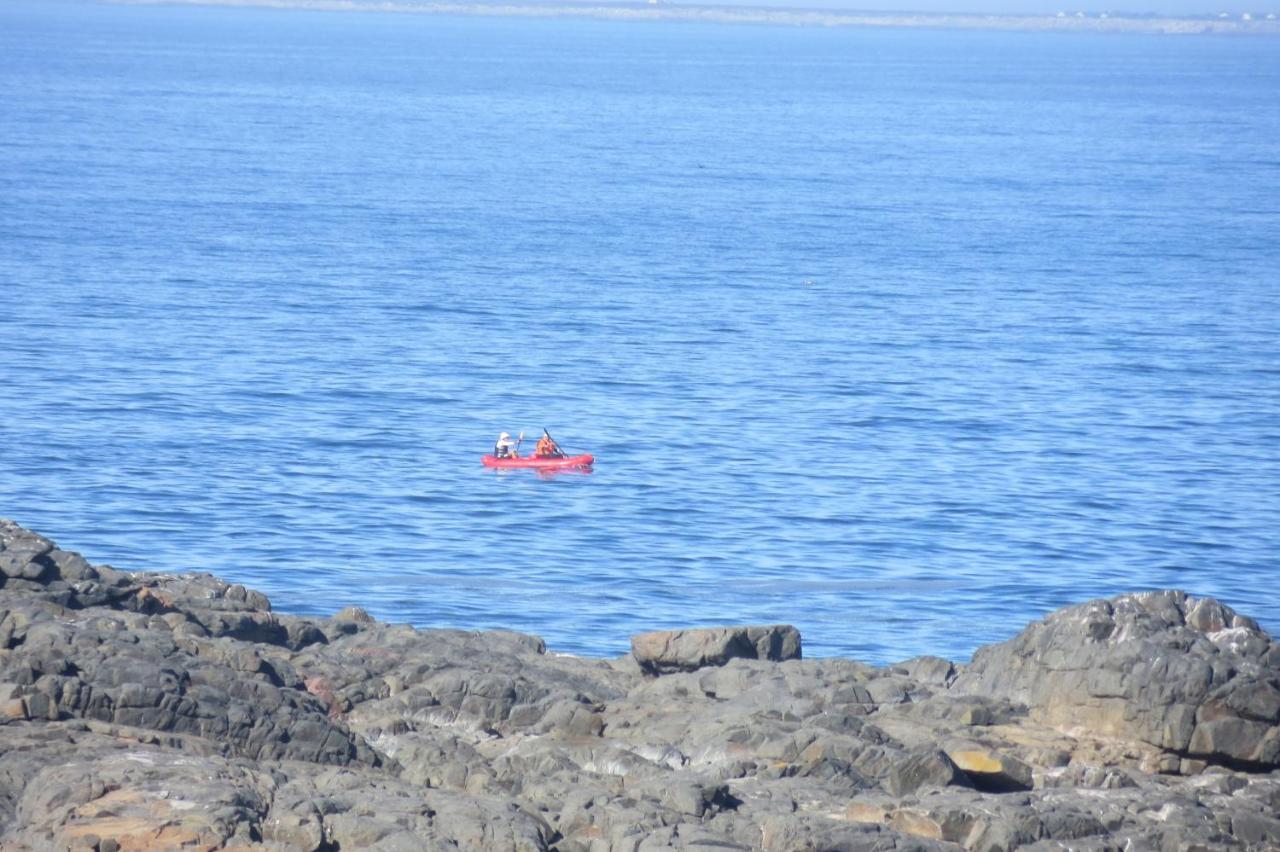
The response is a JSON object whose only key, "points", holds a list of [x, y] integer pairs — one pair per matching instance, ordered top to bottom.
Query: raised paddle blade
{"points": [[554, 443]]}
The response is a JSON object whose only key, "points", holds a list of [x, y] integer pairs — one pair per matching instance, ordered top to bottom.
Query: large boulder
{"points": [[196, 604], [665, 651], [130, 670], [1188, 676]]}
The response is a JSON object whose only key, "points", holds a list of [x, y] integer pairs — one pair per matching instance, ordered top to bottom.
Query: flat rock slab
{"points": [[666, 651]]}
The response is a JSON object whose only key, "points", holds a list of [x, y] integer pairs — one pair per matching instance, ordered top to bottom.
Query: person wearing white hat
{"points": [[506, 448]]}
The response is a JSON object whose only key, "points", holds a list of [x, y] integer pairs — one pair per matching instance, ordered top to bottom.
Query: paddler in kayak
{"points": [[547, 447], [507, 448]]}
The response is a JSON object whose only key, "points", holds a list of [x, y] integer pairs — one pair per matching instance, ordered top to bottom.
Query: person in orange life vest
{"points": [[547, 447]]}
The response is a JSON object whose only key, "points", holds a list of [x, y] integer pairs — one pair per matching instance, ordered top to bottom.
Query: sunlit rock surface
{"points": [[148, 711]]}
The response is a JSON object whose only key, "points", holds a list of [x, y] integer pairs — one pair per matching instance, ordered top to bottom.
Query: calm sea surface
{"points": [[905, 338]]}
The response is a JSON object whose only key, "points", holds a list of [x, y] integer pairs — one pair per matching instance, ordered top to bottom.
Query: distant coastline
{"points": [[666, 11]]}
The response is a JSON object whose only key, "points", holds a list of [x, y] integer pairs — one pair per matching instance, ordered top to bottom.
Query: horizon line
{"points": [[1072, 20]]}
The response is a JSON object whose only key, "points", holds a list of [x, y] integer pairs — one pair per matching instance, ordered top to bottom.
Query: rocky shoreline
{"points": [[665, 10], [154, 711]]}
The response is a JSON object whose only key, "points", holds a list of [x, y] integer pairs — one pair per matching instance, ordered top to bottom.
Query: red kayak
{"points": [[540, 462]]}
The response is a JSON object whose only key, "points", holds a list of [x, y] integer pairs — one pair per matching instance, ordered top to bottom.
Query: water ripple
{"points": [[881, 338]]}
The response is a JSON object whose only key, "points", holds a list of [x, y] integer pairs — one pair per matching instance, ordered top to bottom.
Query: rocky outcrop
{"points": [[666, 651], [1189, 677], [148, 711]]}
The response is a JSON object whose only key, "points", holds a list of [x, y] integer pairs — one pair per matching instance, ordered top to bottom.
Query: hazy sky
{"points": [[1020, 7], [1258, 8]]}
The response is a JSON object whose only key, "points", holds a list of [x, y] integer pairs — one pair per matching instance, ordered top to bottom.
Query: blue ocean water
{"points": [[903, 337]]}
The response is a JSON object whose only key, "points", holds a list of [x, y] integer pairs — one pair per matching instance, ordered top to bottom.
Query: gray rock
{"points": [[667, 651], [934, 671], [1186, 676], [967, 710], [155, 711], [921, 769], [990, 769], [1257, 829]]}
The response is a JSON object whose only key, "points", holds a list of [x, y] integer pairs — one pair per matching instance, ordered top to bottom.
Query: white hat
{"points": [[504, 437]]}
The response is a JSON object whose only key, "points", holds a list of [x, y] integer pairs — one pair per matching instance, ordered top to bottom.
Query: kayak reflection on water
{"points": [[557, 472], [545, 473]]}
